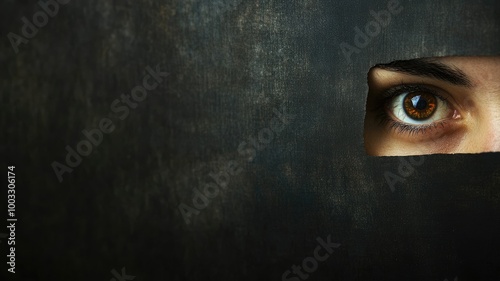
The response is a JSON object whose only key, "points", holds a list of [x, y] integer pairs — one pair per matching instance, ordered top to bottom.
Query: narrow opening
{"points": [[433, 105]]}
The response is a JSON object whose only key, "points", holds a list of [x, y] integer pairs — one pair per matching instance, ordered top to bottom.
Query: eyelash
{"points": [[386, 119]]}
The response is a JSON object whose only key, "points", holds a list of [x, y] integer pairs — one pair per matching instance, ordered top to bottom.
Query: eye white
{"points": [[396, 108]]}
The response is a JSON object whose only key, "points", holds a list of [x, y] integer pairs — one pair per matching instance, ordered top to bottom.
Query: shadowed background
{"points": [[230, 64]]}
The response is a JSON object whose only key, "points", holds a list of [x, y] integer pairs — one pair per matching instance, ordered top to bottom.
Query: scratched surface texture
{"points": [[232, 64]]}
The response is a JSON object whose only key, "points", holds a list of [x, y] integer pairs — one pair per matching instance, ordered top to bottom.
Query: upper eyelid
{"points": [[407, 87], [395, 90]]}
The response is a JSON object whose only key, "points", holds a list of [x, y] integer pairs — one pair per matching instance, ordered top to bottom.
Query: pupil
{"points": [[419, 103]]}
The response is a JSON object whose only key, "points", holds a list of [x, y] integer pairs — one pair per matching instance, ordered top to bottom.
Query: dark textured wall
{"points": [[231, 64]]}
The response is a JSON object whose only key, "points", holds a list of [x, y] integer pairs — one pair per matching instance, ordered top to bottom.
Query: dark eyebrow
{"points": [[428, 68]]}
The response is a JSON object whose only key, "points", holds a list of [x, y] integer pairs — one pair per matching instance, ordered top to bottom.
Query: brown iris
{"points": [[419, 105]]}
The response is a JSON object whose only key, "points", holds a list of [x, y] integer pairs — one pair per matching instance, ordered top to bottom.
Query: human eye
{"points": [[415, 109]]}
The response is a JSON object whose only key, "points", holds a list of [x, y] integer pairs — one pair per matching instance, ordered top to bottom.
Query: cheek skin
{"points": [[483, 103], [484, 126], [380, 141], [446, 142]]}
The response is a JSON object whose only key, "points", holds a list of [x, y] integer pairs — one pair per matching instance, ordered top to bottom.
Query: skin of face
{"points": [[472, 124]]}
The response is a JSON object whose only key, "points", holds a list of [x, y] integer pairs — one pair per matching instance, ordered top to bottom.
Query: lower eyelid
{"points": [[416, 129], [423, 133]]}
